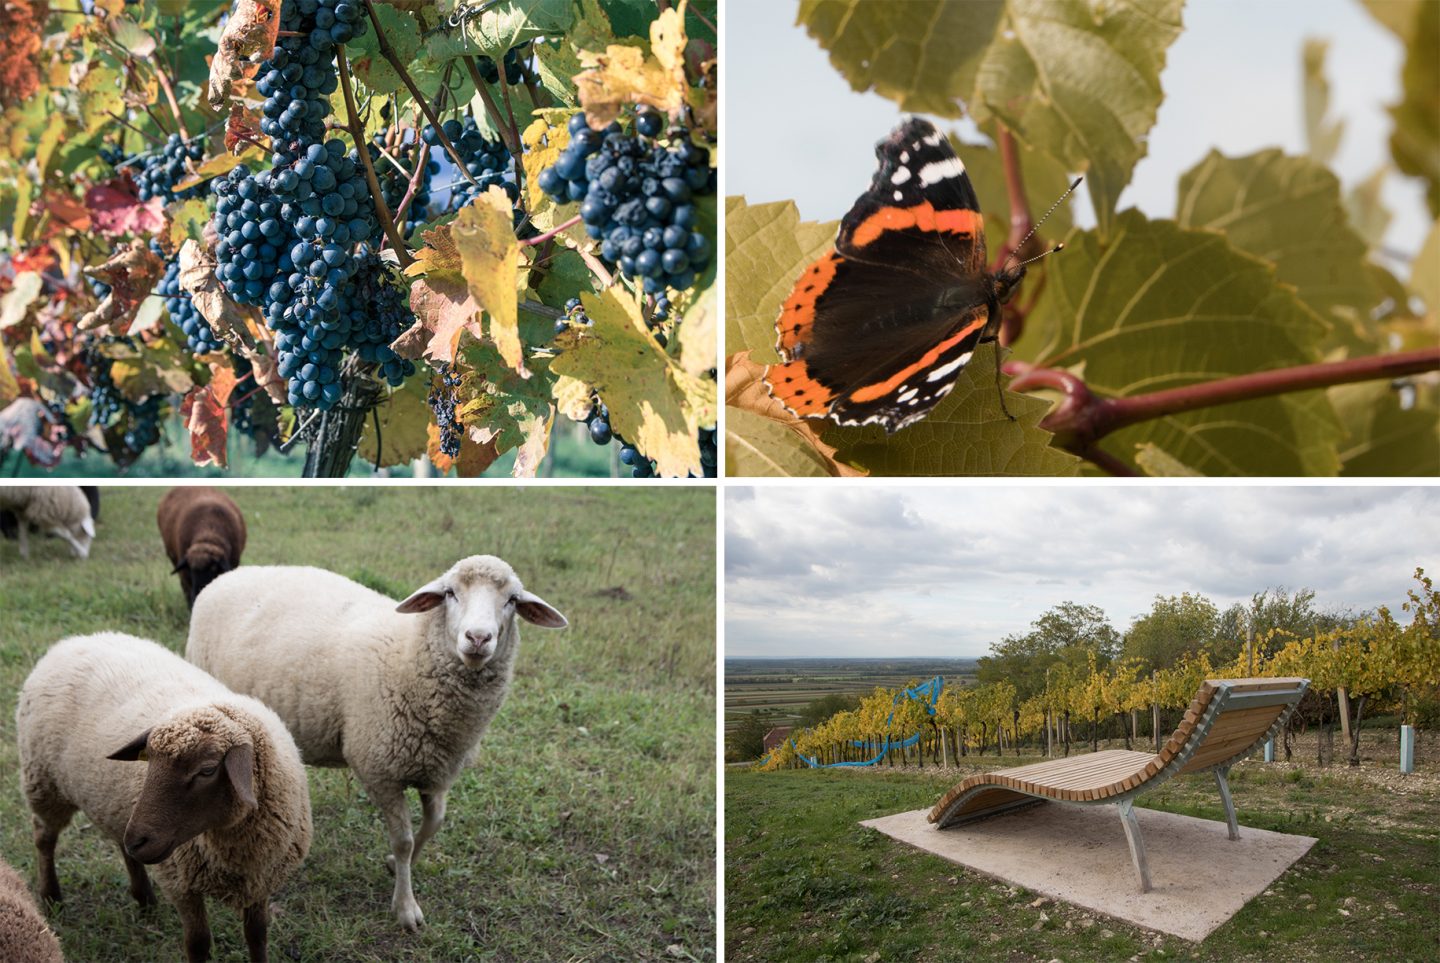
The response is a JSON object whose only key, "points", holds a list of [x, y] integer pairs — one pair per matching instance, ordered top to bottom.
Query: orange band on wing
{"points": [[922, 216], [798, 314], [792, 385], [871, 392]]}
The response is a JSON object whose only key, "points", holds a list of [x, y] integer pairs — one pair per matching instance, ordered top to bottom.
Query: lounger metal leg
{"points": [[1224, 784], [1137, 844]]}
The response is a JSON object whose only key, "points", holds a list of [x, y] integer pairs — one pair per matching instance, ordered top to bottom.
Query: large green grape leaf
{"points": [[923, 54], [373, 70], [1081, 81], [1322, 134], [1415, 141], [1287, 210], [766, 248], [1425, 273], [1157, 307], [655, 404], [397, 432], [967, 434], [1382, 438]]}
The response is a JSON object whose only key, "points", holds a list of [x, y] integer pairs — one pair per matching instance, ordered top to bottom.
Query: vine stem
{"points": [[388, 53], [165, 85], [492, 109], [357, 133], [150, 137], [542, 238], [1012, 323], [1082, 418]]}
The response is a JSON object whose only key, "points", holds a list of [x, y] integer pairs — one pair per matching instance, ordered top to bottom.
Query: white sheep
{"points": [[59, 510], [400, 692], [222, 810], [24, 937]]}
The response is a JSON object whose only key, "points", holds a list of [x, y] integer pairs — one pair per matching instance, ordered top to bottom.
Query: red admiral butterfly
{"points": [[877, 330]]}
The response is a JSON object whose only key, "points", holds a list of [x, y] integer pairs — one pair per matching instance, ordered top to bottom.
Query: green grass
{"points": [[560, 844], [803, 881]]}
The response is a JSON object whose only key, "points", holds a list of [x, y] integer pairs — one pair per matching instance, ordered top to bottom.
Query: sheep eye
{"points": [[449, 593], [514, 600], [208, 771]]}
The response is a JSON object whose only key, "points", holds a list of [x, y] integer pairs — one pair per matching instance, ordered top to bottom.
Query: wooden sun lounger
{"points": [[1228, 720]]}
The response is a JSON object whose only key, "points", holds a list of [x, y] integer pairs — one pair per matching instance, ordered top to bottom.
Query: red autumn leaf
{"points": [[242, 128], [116, 210], [67, 212], [38, 259], [444, 308], [222, 383], [208, 422]]}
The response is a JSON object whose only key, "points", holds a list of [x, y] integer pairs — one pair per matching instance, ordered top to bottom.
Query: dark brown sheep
{"points": [[204, 535]]}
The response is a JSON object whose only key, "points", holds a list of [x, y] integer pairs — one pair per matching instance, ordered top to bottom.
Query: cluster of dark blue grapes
{"points": [[517, 69], [299, 77], [487, 161], [159, 173], [637, 196], [252, 237], [378, 308], [574, 314], [198, 335], [443, 397], [106, 402], [142, 419], [142, 429], [602, 433], [709, 452]]}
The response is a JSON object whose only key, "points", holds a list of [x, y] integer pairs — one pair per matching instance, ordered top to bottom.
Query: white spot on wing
{"points": [[934, 139], [904, 157], [937, 171], [901, 175], [899, 195], [950, 368], [906, 396]]}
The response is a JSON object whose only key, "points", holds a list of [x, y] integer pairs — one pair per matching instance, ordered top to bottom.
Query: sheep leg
{"points": [[24, 537], [433, 806], [45, 838], [402, 846], [140, 887], [196, 926], [257, 929]]}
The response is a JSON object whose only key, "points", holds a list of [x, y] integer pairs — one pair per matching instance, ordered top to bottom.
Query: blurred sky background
{"points": [[1232, 81]]}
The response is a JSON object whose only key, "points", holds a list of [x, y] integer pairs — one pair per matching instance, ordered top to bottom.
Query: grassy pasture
{"points": [[586, 829], [805, 882]]}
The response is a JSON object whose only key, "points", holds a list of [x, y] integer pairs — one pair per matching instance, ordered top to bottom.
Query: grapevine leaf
{"points": [[513, 22], [402, 32], [249, 36], [131, 37], [923, 55], [556, 64], [625, 75], [1082, 83], [101, 96], [1321, 134], [544, 139], [1415, 141], [220, 165], [1045, 180], [115, 210], [1286, 210], [65, 211], [1367, 212], [187, 221], [485, 237], [766, 249], [438, 257], [132, 273], [1425, 274], [16, 302], [1156, 307], [152, 309], [444, 309], [232, 322], [697, 335], [153, 366], [9, 387], [572, 397], [654, 404], [208, 422], [402, 422], [968, 433], [762, 438], [1384, 438], [532, 451], [476, 456], [1159, 463]]}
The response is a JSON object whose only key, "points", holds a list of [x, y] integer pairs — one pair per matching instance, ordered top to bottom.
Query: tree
{"points": [[1175, 626], [1065, 634], [818, 710], [747, 740]]}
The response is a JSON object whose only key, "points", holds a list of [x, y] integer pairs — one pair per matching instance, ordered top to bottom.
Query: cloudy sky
{"points": [[795, 129], [861, 571]]}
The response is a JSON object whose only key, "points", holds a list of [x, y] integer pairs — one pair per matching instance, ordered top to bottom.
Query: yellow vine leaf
{"points": [[484, 235]]}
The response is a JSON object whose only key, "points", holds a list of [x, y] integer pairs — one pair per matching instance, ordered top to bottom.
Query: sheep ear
{"points": [[89, 526], [423, 599], [532, 608], [134, 750], [240, 767]]}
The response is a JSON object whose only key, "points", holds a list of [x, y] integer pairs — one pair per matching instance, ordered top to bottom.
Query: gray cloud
{"points": [[862, 571]]}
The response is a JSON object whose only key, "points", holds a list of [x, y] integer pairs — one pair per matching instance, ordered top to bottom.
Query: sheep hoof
{"points": [[410, 917]]}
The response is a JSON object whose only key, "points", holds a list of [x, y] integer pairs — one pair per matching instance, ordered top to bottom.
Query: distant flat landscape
{"points": [[779, 688]]}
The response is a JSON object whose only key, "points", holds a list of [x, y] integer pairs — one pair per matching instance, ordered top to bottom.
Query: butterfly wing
{"points": [[876, 331]]}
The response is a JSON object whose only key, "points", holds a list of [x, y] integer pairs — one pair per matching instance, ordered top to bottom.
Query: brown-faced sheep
{"points": [[59, 510], [204, 535], [400, 692], [221, 810], [24, 937]]}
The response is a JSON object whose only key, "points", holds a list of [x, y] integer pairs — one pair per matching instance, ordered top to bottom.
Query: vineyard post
{"points": [[1155, 707], [1017, 731], [1067, 732], [944, 755]]}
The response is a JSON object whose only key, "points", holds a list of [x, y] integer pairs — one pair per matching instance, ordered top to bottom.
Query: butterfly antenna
{"points": [[1021, 246]]}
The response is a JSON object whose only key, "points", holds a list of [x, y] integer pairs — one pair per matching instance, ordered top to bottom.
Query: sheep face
{"points": [[78, 536], [481, 596], [200, 777]]}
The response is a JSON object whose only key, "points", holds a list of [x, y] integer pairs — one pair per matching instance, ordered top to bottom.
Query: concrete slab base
{"points": [[1078, 854]]}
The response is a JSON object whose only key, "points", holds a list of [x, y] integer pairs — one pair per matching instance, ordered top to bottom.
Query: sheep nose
{"points": [[479, 638], [135, 844]]}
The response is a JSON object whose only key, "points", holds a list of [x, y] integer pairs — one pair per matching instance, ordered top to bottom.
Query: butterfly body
{"points": [[878, 330]]}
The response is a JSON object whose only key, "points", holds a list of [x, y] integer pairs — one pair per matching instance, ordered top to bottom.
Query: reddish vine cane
{"points": [[1082, 418]]}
